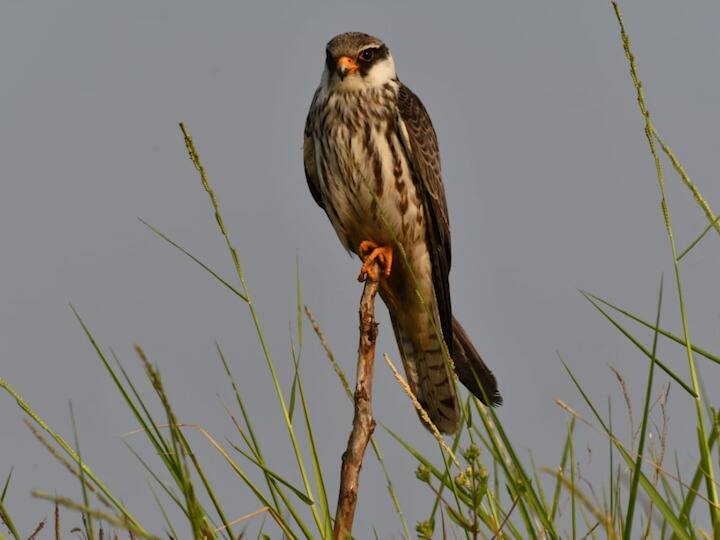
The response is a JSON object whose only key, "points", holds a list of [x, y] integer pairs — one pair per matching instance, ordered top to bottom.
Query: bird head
{"points": [[357, 61]]}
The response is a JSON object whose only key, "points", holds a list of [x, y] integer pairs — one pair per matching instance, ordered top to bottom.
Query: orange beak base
{"points": [[346, 66]]}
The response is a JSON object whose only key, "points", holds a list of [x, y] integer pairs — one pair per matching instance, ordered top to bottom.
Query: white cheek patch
{"points": [[381, 72]]}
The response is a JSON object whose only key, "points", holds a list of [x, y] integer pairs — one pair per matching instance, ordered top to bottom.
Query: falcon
{"points": [[372, 163]]}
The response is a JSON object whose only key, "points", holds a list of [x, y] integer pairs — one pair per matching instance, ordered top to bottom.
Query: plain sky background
{"points": [[549, 183]]}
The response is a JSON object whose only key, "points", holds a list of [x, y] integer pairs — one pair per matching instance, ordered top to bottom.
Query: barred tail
{"points": [[471, 369], [430, 379]]}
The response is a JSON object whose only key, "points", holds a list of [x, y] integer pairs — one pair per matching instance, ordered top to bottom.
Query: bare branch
{"points": [[363, 421]]}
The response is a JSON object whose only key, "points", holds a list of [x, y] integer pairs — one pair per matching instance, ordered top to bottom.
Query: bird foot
{"points": [[369, 253]]}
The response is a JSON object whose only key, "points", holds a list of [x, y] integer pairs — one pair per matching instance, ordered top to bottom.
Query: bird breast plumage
{"points": [[365, 177]]}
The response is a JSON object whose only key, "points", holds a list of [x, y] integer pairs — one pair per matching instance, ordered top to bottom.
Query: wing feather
{"points": [[419, 138], [311, 171]]}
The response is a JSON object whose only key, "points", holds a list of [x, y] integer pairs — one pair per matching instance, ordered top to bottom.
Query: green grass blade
{"points": [[652, 135], [195, 159], [682, 173], [695, 242], [205, 267], [299, 304], [298, 323], [669, 335], [639, 345], [293, 394], [709, 410], [716, 427], [153, 434], [158, 440], [255, 446], [494, 447], [71, 453], [165, 453], [171, 454], [612, 455], [172, 457], [179, 457], [315, 459], [447, 463], [561, 469], [679, 474], [441, 476], [697, 478], [184, 479], [447, 479], [538, 483], [6, 485], [207, 485], [251, 485], [514, 487], [391, 489], [573, 490], [298, 493], [530, 493], [652, 493], [670, 494], [173, 496], [587, 503], [616, 510], [295, 515], [278, 517], [526, 517], [87, 518], [7, 520], [116, 521], [506, 525], [261, 529], [171, 530], [627, 531]]}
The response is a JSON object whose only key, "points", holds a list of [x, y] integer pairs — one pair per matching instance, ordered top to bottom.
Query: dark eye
{"points": [[367, 55]]}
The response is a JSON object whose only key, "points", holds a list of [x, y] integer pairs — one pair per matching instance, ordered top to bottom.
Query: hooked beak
{"points": [[346, 66]]}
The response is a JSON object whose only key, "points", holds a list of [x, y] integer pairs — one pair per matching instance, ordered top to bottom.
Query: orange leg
{"points": [[369, 253]]}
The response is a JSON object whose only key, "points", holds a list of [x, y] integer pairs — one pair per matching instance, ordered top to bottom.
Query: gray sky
{"points": [[549, 185]]}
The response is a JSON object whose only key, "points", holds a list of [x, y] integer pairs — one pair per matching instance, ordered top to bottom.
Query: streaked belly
{"points": [[367, 184]]}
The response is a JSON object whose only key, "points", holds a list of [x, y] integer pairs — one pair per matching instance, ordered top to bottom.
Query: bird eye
{"points": [[367, 55]]}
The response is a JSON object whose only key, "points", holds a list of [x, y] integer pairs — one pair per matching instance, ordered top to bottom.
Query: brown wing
{"points": [[424, 157], [311, 172]]}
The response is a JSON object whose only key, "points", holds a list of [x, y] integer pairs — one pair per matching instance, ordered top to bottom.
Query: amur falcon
{"points": [[372, 163]]}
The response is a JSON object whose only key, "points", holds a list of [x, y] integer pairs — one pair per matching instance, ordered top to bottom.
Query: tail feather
{"points": [[471, 370], [430, 380]]}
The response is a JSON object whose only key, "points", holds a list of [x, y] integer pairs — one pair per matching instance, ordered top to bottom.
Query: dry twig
{"points": [[363, 422], [37, 530]]}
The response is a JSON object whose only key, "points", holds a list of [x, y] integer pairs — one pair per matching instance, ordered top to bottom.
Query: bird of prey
{"points": [[372, 163]]}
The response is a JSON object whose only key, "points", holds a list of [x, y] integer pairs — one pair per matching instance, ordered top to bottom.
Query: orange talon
{"points": [[366, 247], [370, 252]]}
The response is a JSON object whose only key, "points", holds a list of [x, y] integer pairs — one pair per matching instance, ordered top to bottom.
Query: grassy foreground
{"points": [[482, 486]]}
